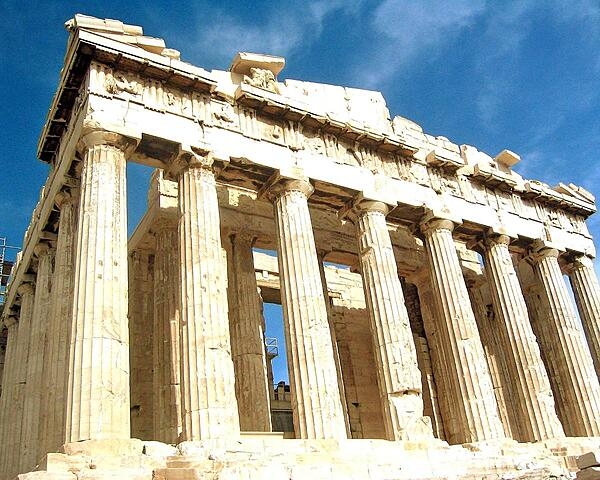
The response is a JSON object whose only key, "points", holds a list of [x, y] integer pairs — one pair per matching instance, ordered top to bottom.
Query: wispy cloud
{"points": [[408, 30], [278, 31], [500, 53]]}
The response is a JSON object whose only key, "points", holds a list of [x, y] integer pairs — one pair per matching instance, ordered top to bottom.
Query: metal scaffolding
{"points": [[6, 266]]}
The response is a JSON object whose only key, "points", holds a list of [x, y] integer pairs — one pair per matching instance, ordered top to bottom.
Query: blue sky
{"points": [[522, 75]]}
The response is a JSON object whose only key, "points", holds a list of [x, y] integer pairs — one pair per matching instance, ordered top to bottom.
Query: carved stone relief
{"points": [[261, 78], [118, 83], [223, 115], [314, 142], [419, 174], [480, 193]]}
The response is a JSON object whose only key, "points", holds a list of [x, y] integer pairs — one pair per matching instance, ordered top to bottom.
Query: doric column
{"points": [[587, 295], [59, 324], [247, 337], [141, 341], [334, 341], [398, 375], [469, 376], [530, 384], [98, 387], [580, 390], [8, 391], [167, 393], [316, 403], [209, 406], [443, 412], [30, 427], [11, 457]]}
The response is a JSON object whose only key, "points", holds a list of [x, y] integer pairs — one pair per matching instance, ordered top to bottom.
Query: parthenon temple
{"points": [[441, 313]]}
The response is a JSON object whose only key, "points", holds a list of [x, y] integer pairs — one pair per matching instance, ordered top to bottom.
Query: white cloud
{"points": [[409, 30], [279, 31]]}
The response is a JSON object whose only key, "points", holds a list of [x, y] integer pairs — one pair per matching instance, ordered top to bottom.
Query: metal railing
{"points": [[272, 347]]}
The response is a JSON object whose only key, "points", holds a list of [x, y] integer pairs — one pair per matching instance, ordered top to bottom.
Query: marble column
{"points": [[587, 296], [59, 322], [247, 326], [141, 341], [334, 341], [495, 348], [572, 361], [398, 375], [469, 376], [530, 384], [98, 385], [8, 391], [167, 392], [316, 403], [209, 406], [33, 416], [443, 416], [11, 457]]}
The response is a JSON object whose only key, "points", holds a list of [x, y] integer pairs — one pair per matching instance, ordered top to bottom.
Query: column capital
{"points": [[94, 136], [192, 157], [278, 186], [66, 195], [362, 205], [438, 219], [164, 222], [435, 223], [245, 236], [492, 238], [40, 249], [541, 249], [575, 261], [25, 288], [10, 321]]}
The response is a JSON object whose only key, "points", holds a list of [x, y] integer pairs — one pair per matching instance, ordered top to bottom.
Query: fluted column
{"points": [[587, 295], [59, 323], [247, 337], [141, 341], [334, 342], [572, 361], [398, 375], [469, 376], [530, 384], [98, 387], [8, 391], [167, 392], [316, 403], [209, 406], [443, 412], [32, 417], [11, 457]]}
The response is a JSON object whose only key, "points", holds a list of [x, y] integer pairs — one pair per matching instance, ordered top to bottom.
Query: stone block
{"points": [[109, 447], [159, 449], [590, 459], [60, 462], [590, 473], [119, 474], [179, 474], [47, 476]]}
